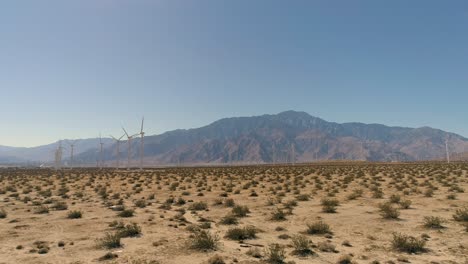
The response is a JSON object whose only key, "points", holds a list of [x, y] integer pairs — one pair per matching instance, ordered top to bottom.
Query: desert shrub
{"points": [[429, 193], [355, 194], [452, 196], [303, 197], [395, 198], [229, 202], [141, 203], [405, 204], [60, 205], [329, 205], [198, 206], [42, 209], [240, 210], [387, 211], [3, 213], [126, 213], [75, 214], [278, 215], [461, 215], [229, 220], [434, 222], [465, 224], [318, 228], [130, 230], [237, 233], [203, 240], [109, 241], [408, 244], [301, 245], [326, 246], [42, 247], [254, 252], [275, 254], [108, 256], [216, 259], [345, 259]]}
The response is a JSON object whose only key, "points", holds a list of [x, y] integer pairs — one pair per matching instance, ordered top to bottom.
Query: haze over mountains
{"points": [[285, 137]]}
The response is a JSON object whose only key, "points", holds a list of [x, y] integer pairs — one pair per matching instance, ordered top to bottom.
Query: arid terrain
{"points": [[315, 213]]}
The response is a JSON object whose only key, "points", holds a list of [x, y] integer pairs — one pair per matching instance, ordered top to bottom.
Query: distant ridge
{"points": [[289, 136]]}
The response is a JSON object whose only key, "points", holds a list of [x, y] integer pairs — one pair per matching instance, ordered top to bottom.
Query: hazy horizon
{"points": [[76, 69]]}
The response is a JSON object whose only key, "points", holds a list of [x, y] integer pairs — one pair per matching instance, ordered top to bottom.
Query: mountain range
{"points": [[285, 137]]}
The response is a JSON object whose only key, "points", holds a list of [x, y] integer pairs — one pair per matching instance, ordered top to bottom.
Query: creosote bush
{"points": [[387, 211], [74, 214], [461, 215], [433, 222], [318, 228], [242, 233], [110, 241], [204, 241], [408, 244], [302, 245], [275, 254]]}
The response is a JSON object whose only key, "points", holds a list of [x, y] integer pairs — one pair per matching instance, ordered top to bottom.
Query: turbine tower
{"points": [[117, 142], [129, 142], [142, 144], [72, 148], [447, 151], [100, 152], [58, 156]]}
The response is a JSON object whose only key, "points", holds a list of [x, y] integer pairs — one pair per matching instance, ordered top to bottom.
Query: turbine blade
{"points": [[142, 121], [125, 132]]}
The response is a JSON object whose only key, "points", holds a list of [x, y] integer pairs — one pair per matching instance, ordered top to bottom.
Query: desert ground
{"points": [[308, 213]]}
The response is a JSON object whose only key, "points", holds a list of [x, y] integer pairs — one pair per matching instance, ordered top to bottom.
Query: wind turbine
{"points": [[117, 141], [129, 142], [142, 144], [72, 148], [447, 150], [100, 152], [58, 156]]}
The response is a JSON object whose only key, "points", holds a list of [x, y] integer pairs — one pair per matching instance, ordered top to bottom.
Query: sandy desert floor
{"points": [[316, 213]]}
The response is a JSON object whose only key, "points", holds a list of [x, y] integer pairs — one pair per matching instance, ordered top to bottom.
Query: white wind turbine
{"points": [[117, 141], [129, 142], [101, 144], [142, 144], [72, 148], [447, 150], [58, 156]]}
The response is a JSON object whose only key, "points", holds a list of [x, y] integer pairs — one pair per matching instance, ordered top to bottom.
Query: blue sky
{"points": [[72, 69]]}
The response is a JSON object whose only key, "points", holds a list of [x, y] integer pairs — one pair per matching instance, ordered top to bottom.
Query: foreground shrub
{"points": [[329, 205], [198, 206], [240, 210], [387, 211], [126, 213], [3, 214], [74, 214], [278, 215], [461, 215], [229, 220], [434, 222], [318, 228], [130, 230], [237, 233], [203, 240], [110, 241], [408, 244], [301, 245], [275, 254]]}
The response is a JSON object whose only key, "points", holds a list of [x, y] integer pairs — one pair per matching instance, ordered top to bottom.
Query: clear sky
{"points": [[72, 69]]}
